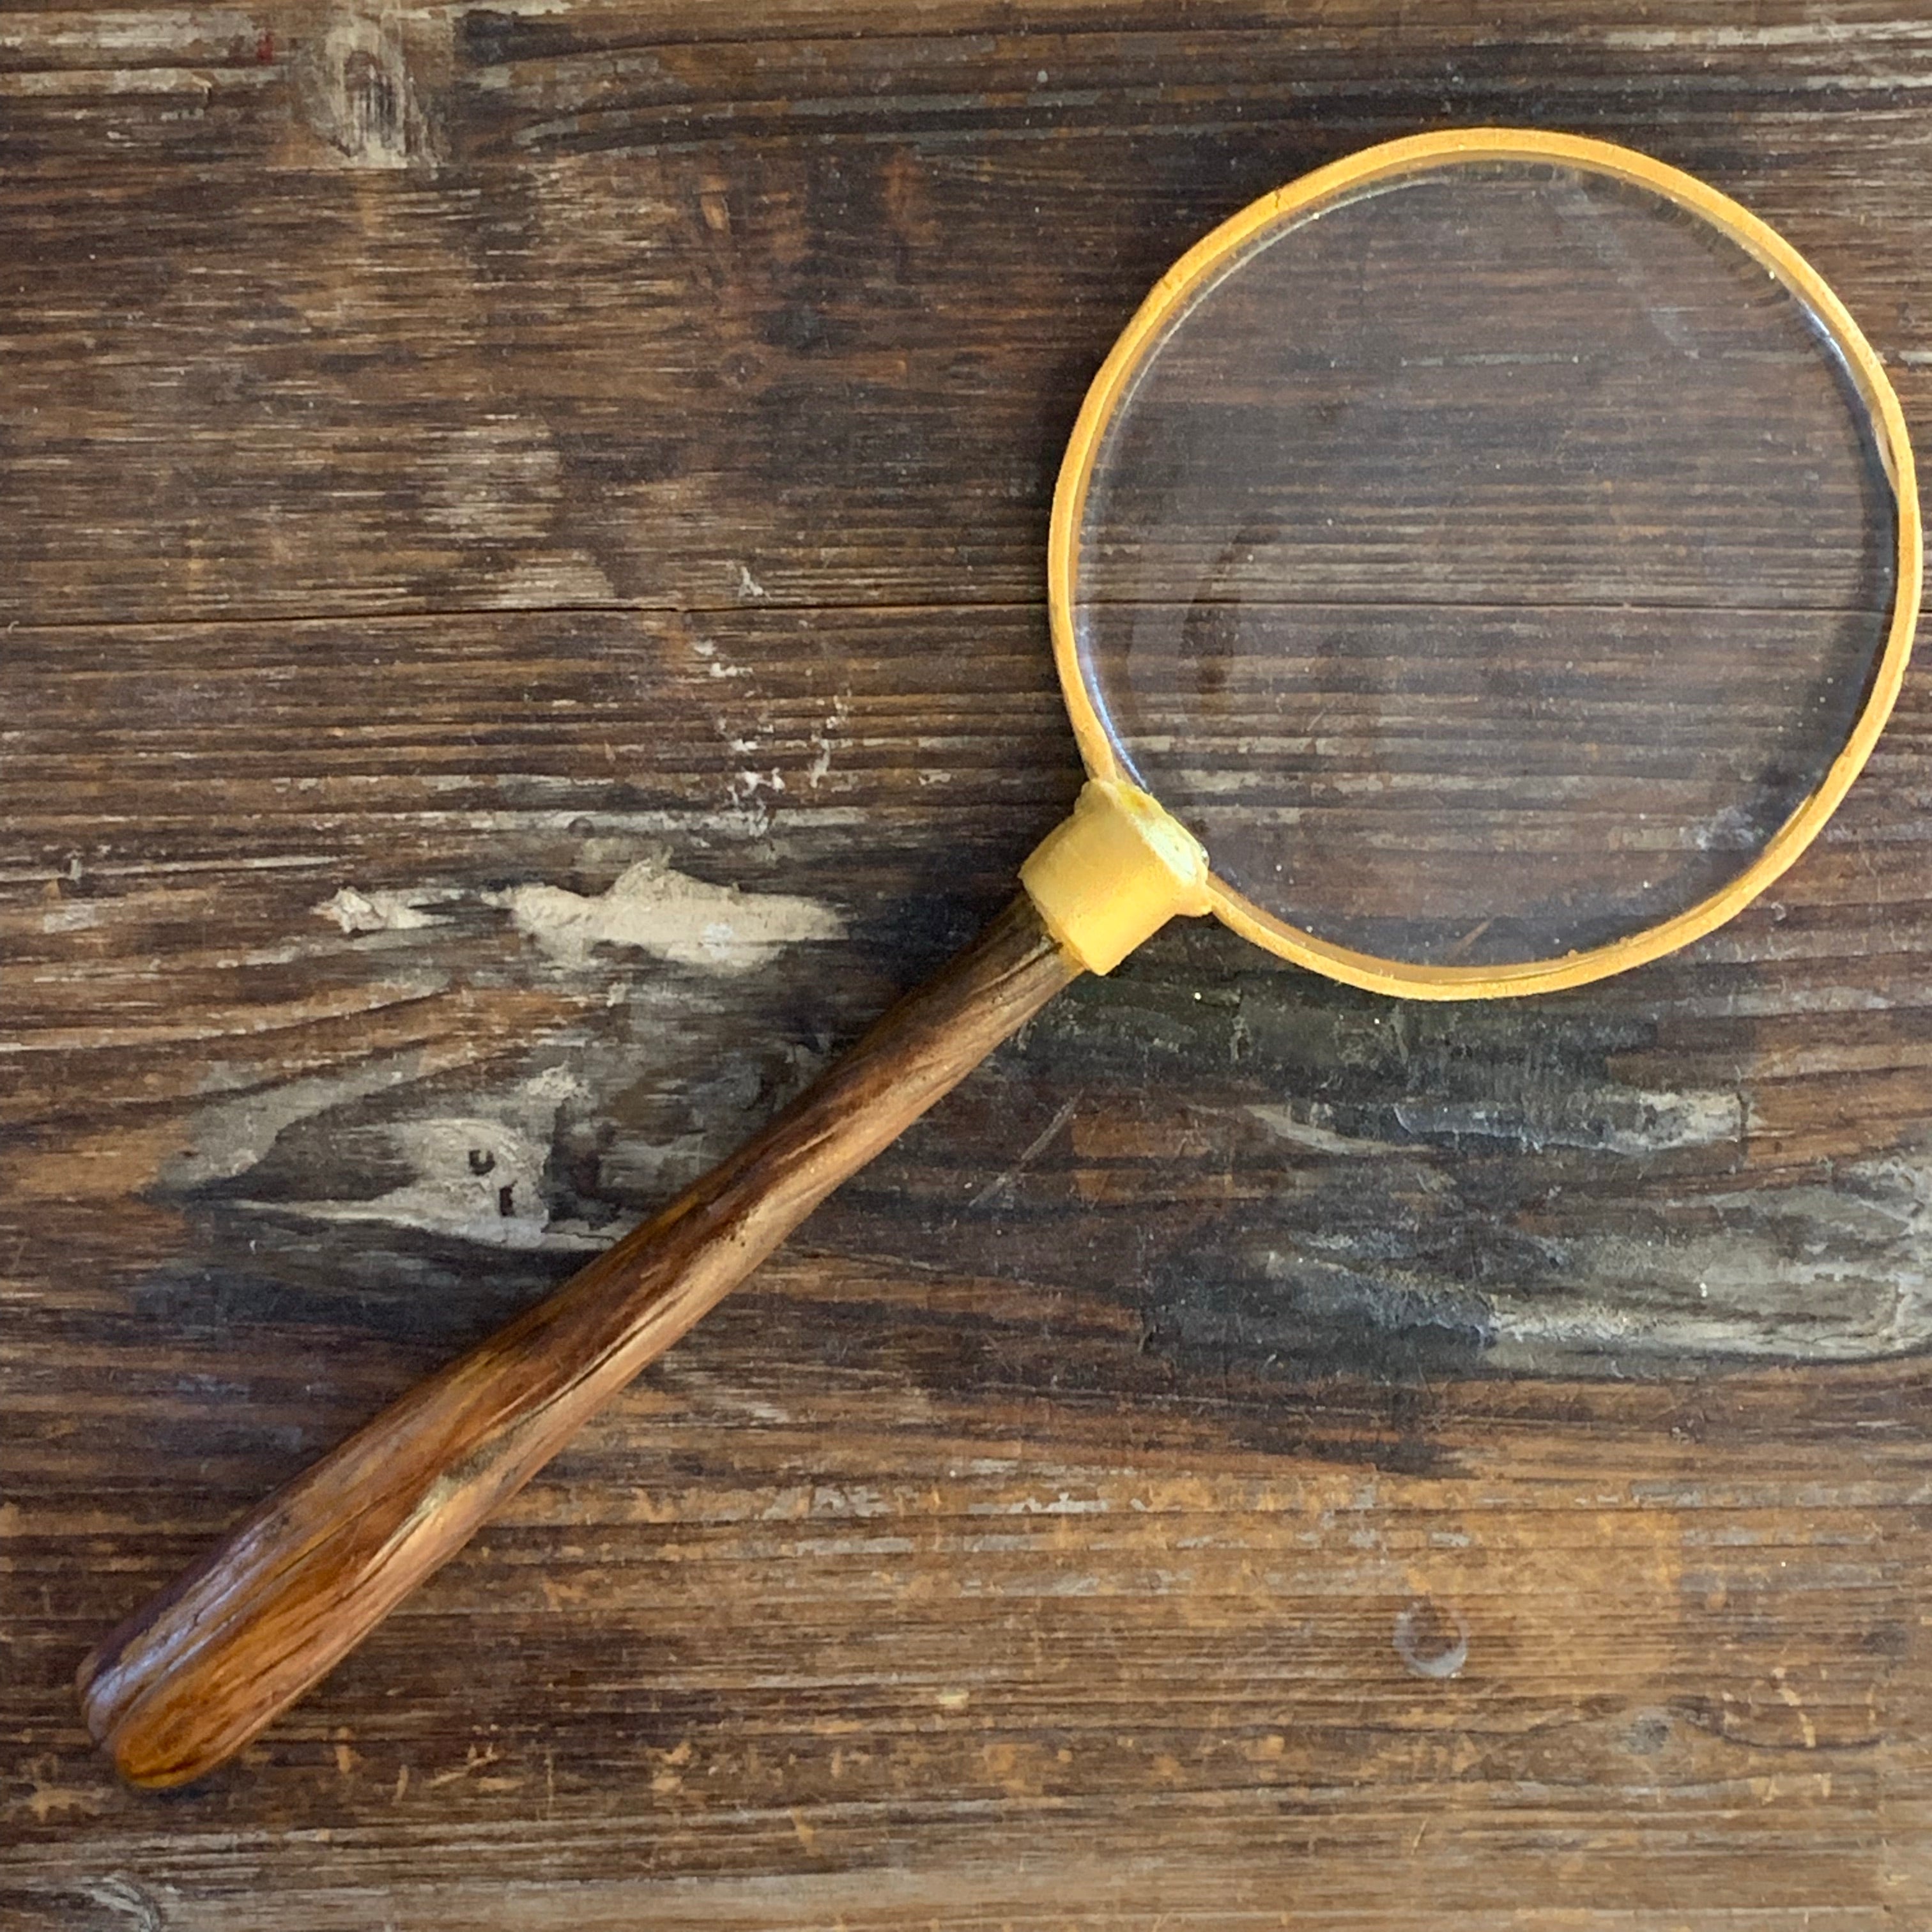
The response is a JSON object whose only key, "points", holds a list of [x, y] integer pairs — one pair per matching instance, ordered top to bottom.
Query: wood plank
{"points": [[802, 354], [308, 898], [724, 1637]]}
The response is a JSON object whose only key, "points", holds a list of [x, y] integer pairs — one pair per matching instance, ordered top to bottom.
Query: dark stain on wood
{"points": [[453, 457]]}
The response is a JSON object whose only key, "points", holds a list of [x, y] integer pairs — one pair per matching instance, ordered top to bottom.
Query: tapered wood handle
{"points": [[189, 1679]]}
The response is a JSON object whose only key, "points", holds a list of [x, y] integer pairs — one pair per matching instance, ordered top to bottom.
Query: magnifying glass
{"points": [[1481, 567]]}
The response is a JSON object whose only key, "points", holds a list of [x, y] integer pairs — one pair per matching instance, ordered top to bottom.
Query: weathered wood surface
{"points": [[475, 486], [199, 1672]]}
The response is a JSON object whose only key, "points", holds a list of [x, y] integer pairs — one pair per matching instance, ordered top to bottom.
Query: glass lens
{"points": [[1485, 566]]}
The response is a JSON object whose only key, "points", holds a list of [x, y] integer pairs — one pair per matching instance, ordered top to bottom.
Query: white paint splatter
{"points": [[132, 38], [716, 664], [823, 738], [755, 811], [356, 911], [665, 913], [75, 915], [1611, 1120], [231, 1135], [477, 1179], [1806, 1273], [120, 1895]]}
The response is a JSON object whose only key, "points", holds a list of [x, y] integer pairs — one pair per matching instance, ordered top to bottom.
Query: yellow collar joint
{"points": [[1113, 873]]}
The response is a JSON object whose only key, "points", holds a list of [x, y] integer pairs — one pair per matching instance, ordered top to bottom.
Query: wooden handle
{"points": [[187, 1682]]}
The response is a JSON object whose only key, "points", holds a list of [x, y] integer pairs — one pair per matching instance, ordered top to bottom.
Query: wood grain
{"points": [[386, 495]]}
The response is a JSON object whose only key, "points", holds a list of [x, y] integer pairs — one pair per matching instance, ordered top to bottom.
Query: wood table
{"points": [[521, 628]]}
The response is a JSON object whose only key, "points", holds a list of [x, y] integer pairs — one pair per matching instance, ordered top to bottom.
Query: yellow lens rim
{"points": [[1392, 159]]}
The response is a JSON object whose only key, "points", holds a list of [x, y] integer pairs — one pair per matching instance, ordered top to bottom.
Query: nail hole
{"points": [[1432, 1639]]}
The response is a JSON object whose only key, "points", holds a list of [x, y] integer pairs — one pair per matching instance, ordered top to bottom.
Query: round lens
{"points": [[1485, 564]]}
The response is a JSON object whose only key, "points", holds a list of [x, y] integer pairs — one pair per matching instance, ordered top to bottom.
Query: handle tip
{"points": [[110, 1708]]}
